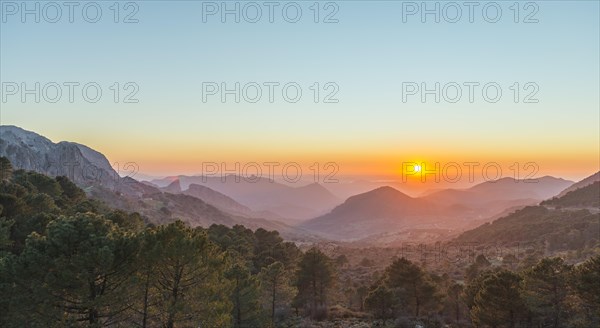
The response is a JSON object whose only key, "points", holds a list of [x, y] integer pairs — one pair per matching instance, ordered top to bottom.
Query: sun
{"points": [[412, 170]]}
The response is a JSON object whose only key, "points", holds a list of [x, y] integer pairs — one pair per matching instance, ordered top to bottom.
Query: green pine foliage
{"points": [[67, 260]]}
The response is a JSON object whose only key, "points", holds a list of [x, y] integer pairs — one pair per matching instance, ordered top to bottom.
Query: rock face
{"points": [[30, 151], [84, 166], [92, 171]]}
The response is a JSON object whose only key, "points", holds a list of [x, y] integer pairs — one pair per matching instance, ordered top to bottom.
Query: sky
{"points": [[365, 58]]}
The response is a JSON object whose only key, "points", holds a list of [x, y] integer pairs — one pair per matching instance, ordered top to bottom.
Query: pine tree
{"points": [[6, 169], [481, 263], [79, 271], [188, 271], [314, 280], [586, 282], [411, 284], [473, 287], [276, 289], [545, 291], [245, 296], [380, 301], [498, 301], [455, 302]]}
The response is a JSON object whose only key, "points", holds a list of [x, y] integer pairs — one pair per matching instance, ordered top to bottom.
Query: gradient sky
{"points": [[369, 53]]}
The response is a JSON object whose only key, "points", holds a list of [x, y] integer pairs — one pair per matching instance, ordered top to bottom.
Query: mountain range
{"points": [[92, 171], [264, 195], [385, 210], [377, 211], [381, 215], [567, 222]]}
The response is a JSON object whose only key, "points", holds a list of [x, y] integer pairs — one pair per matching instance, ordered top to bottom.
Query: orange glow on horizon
{"points": [[576, 168]]}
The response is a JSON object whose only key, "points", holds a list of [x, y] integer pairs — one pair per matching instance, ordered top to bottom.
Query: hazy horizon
{"points": [[412, 183]]}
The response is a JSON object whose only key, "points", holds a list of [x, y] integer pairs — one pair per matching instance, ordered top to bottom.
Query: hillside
{"points": [[91, 171], [589, 180], [265, 195], [496, 195], [583, 197], [217, 199], [381, 210], [386, 216], [575, 226]]}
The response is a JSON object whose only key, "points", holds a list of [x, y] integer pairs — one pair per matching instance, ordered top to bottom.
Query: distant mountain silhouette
{"points": [[91, 171], [174, 187], [345, 189], [505, 189], [262, 194], [584, 197], [215, 198], [488, 199], [381, 210], [385, 211], [388, 211], [563, 223]]}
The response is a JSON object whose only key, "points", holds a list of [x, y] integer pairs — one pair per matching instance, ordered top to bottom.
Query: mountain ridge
{"points": [[30, 151], [580, 184], [265, 195], [386, 210], [373, 212], [565, 222]]}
